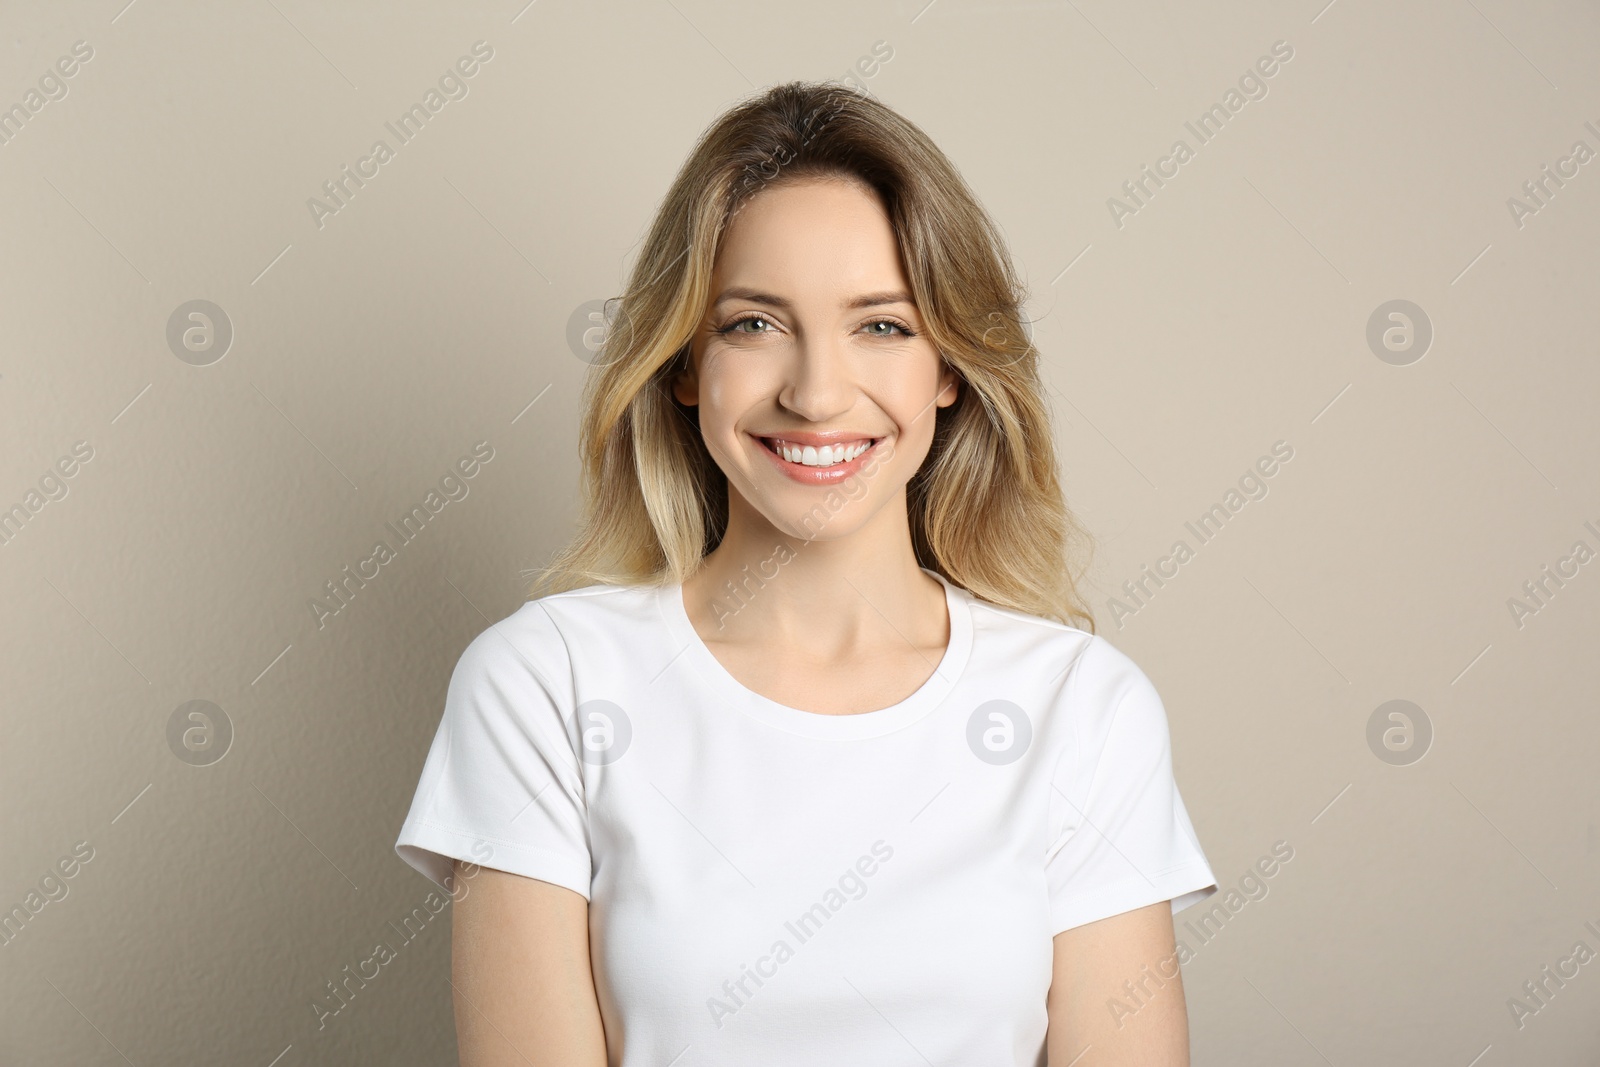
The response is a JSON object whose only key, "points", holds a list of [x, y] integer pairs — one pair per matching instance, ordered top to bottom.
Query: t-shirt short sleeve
{"points": [[501, 786], [1123, 839]]}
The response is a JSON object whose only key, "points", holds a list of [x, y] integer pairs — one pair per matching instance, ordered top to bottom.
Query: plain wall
{"points": [[374, 348]]}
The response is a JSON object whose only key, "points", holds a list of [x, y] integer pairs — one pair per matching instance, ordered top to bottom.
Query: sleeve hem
{"points": [[429, 848], [1184, 886]]}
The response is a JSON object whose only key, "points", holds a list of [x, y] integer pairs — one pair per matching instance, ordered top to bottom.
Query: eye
{"points": [[733, 327], [902, 327]]}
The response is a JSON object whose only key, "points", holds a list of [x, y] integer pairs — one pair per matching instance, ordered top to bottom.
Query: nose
{"points": [[819, 382]]}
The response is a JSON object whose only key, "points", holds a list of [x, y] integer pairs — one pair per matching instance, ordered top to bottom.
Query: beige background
{"points": [[370, 353]]}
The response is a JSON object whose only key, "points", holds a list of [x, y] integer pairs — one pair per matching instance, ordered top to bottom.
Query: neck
{"points": [[850, 592]]}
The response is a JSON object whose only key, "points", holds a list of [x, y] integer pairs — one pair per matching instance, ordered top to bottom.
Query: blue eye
{"points": [[733, 327]]}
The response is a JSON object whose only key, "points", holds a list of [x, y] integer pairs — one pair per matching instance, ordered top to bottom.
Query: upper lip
{"points": [[817, 438]]}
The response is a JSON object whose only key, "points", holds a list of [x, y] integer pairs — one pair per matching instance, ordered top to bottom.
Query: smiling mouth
{"points": [[824, 456]]}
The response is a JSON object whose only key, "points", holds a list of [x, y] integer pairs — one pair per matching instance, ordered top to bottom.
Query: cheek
{"points": [[728, 390], [909, 401], [719, 408]]}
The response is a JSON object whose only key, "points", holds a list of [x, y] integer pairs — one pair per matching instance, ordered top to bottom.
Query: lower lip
{"points": [[817, 475]]}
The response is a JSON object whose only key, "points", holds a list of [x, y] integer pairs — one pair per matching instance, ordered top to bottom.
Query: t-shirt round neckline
{"points": [[817, 724]]}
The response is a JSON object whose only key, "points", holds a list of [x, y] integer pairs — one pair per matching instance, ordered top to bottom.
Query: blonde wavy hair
{"points": [[986, 507]]}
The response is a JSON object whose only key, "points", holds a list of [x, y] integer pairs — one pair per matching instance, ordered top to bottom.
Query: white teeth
{"points": [[826, 456]]}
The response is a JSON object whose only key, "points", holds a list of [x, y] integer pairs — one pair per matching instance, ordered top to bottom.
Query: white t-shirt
{"points": [[770, 886]]}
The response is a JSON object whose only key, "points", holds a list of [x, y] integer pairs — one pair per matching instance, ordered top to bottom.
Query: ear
{"points": [[949, 385], [686, 386]]}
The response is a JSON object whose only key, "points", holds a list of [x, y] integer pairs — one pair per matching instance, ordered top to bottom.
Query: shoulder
{"points": [[539, 636], [1088, 669], [1108, 677], [1112, 723]]}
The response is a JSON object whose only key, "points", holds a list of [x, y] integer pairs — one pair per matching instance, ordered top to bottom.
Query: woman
{"points": [[801, 756]]}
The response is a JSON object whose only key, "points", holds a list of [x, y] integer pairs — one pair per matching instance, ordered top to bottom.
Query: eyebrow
{"points": [[757, 296]]}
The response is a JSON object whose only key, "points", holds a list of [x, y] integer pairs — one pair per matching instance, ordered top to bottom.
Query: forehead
{"points": [[811, 237]]}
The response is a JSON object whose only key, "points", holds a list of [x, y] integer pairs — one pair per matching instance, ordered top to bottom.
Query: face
{"points": [[815, 380]]}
